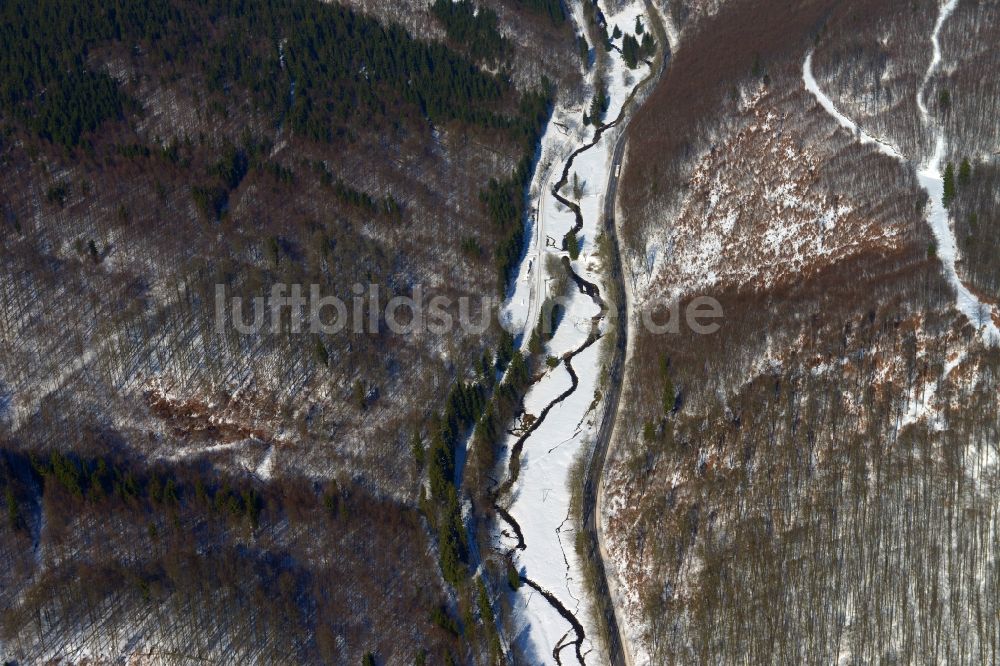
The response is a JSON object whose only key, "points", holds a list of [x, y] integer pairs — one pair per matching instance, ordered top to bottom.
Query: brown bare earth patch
{"points": [[196, 419]]}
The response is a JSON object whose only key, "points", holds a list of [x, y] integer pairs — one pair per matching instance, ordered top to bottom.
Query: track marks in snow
{"points": [[884, 146], [980, 314]]}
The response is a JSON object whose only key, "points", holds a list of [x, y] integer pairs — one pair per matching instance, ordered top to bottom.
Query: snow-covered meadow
{"points": [[540, 500]]}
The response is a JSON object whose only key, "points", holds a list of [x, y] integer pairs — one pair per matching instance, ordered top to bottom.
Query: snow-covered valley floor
{"points": [[553, 614]]}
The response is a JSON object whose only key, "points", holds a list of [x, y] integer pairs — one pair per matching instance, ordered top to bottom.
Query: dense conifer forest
{"points": [[320, 65]]}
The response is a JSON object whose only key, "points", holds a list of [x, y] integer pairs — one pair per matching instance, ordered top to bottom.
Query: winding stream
{"points": [[532, 500]]}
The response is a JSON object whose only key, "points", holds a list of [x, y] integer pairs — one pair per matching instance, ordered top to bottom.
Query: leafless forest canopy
{"points": [[232, 146], [814, 483], [774, 498]]}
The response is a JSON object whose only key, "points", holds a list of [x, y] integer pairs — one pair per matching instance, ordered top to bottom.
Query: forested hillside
{"points": [[344, 66], [156, 152], [974, 153], [245, 188], [190, 473], [791, 488], [176, 565]]}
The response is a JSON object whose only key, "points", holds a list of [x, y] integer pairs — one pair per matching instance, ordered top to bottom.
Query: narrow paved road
{"points": [[591, 489], [616, 653]]}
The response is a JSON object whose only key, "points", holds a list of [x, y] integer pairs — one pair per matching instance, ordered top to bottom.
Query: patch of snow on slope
{"points": [[755, 214], [266, 466]]}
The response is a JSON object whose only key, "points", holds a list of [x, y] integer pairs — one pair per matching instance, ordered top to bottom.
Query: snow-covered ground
{"points": [[564, 134], [540, 499], [541, 506]]}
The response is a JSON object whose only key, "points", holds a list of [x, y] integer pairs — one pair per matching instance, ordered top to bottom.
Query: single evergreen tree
{"points": [[605, 38], [648, 46], [630, 51], [599, 104], [965, 173], [949, 185], [572, 244], [535, 342], [505, 350], [322, 355], [358, 394], [669, 396], [417, 445], [13, 513], [513, 577], [483, 601]]}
